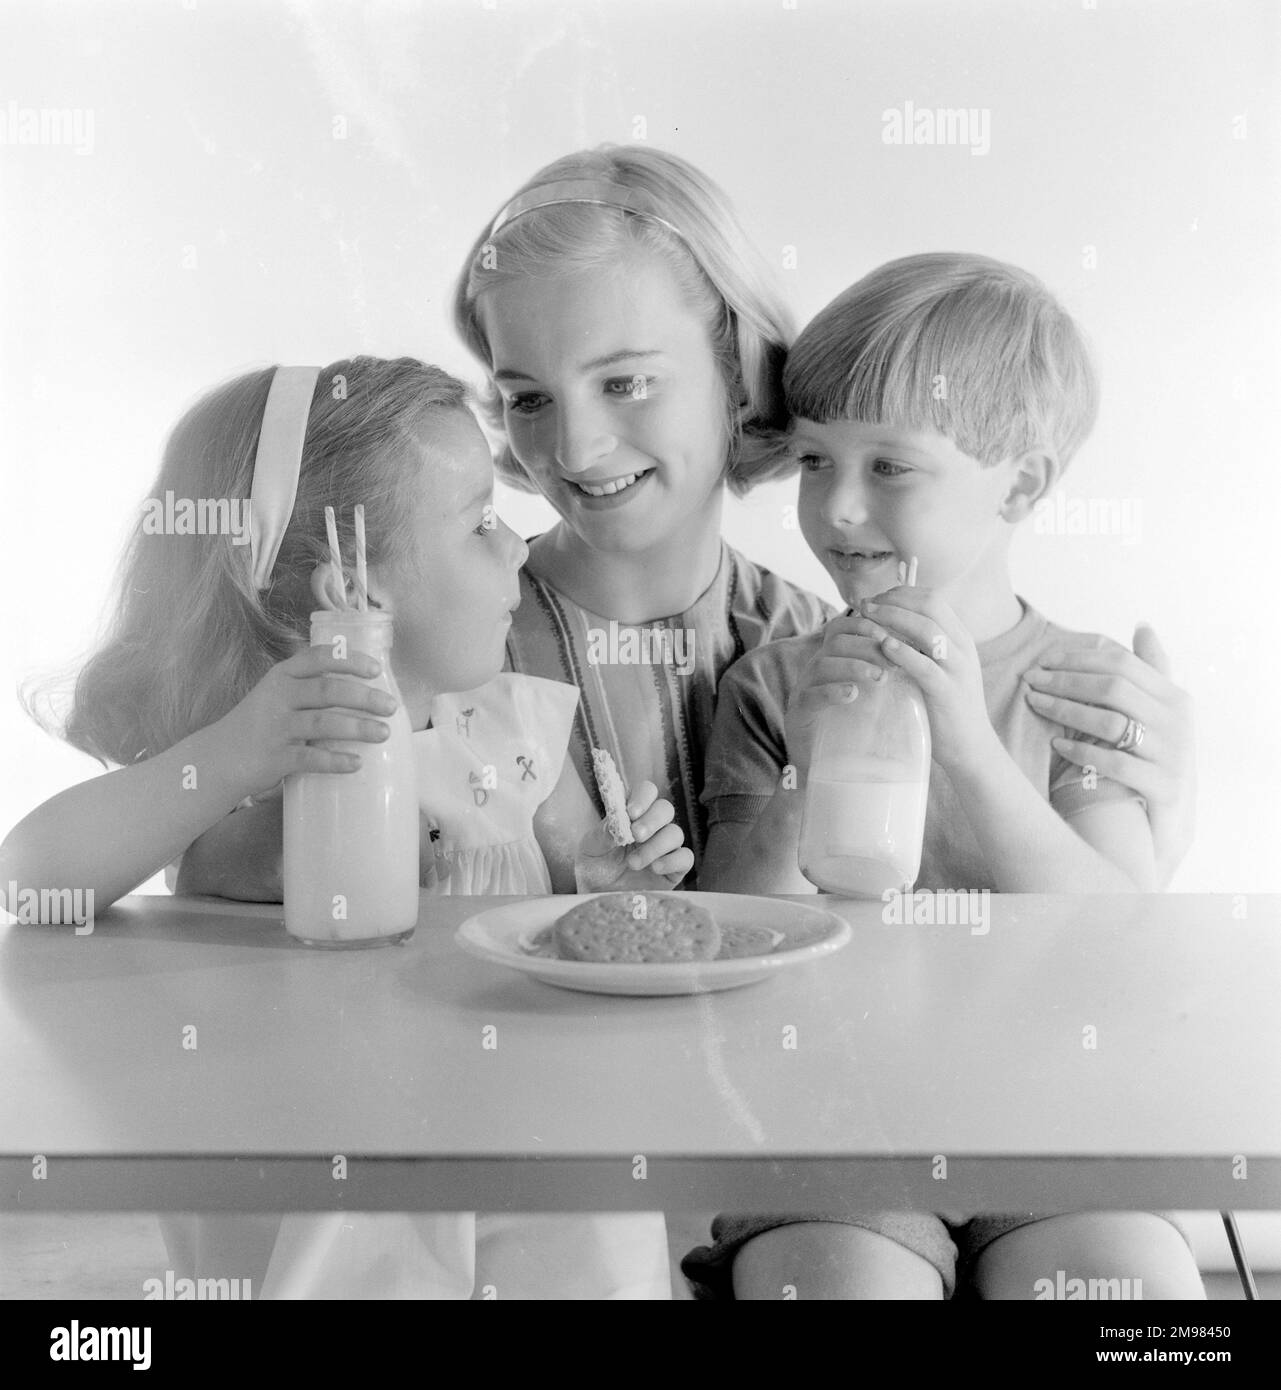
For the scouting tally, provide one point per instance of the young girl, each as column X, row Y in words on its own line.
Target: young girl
column 208, row 671
column 208, row 665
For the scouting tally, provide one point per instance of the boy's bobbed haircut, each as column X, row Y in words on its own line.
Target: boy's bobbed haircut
column 719, row 274
column 975, row 349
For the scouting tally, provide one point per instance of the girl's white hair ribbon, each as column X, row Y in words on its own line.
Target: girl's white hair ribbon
column 276, row 465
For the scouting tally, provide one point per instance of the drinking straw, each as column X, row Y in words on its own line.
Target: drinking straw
column 362, row 573
column 902, row 572
column 335, row 556
column 911, row 573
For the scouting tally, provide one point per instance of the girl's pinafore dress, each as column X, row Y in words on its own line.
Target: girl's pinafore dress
column 489, row 760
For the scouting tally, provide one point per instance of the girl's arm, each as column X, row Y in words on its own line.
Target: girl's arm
column 240, row 857
column 111, row 833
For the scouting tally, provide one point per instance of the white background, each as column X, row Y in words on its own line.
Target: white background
column 1116, row 127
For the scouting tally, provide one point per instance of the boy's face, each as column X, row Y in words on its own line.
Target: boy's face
column 874, row 495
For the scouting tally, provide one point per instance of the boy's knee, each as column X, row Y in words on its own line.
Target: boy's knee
column 830, row 1260
column 1091, row 1255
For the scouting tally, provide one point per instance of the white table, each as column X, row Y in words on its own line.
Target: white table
column 913, row 1044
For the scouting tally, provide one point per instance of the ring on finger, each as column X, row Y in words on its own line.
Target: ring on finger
column 1131, row 738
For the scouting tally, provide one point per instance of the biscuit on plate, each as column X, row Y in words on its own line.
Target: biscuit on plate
column 741, row 939
column 615, row 929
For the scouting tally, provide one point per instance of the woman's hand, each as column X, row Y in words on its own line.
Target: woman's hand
column 658, row 860
column 1096, row 689
column 271, row 733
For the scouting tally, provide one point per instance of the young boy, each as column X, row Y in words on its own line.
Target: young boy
column 934, row 404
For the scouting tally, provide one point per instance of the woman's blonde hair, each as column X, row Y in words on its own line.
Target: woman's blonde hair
column 191, row 635
column 719, row 273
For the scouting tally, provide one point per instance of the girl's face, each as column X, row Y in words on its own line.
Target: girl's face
column 613, row 400
column 452, row 601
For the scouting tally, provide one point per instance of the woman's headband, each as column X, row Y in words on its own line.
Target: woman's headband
column 276, row 465
column 601, row 192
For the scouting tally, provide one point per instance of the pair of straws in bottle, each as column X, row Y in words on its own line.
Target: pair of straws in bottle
column 337, row 586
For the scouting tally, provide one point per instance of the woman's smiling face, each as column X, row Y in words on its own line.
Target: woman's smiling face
column 613, row 399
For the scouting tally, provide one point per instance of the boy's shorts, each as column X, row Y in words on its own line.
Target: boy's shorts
column 950, row 1243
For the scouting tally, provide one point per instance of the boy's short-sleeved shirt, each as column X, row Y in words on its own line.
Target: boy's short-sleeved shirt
column 747, row 754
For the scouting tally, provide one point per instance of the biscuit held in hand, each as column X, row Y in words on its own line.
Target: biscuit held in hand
column 614, row 795
column 657, row 857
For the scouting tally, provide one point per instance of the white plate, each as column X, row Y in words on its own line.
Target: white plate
column 802, row 933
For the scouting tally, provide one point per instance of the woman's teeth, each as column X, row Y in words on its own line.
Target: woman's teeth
column 614, row 485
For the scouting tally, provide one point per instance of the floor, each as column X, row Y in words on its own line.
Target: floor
column 110, row 1257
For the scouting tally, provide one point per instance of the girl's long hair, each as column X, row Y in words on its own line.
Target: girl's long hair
column 190, row 635
column 719, row 273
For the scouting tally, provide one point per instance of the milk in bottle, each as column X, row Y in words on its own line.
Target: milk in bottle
column 865, row 799
column 351, row 838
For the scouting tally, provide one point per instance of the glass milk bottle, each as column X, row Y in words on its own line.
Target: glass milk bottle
column 864, row 815
column 351, row 838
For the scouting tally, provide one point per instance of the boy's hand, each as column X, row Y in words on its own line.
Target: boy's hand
column 918, row 632
column 847, row 659
column 658, row 860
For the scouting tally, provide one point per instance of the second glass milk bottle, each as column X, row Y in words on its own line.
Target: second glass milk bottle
column 864, row 817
